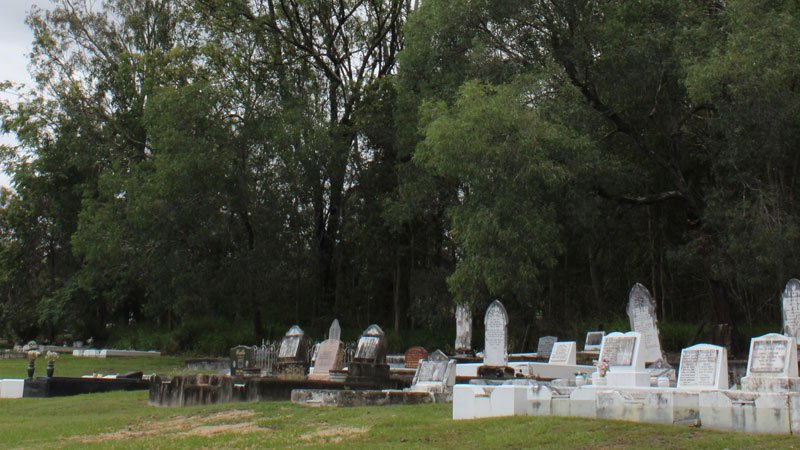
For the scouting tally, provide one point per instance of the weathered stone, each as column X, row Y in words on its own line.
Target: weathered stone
column 335, row 331
column 594, row 340
column 495, row 352
column 463, row 330
column 545, row 346
column 790, row 306
column 564, row 353
column 413, row 356
column 703, row 366
column 642, row 315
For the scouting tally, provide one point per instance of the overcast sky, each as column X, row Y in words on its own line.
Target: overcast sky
column 15, row 45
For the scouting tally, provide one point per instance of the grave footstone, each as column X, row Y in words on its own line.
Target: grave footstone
column 545, row 346
column 790, row 306
column 369, row 363
column 463, row 331
column 642, row 315
column 772, row 365
column 703, row 367
column 594, row 340
column 293, row 358
column 563, row 354
column 413, row 356
column 495, row 353
column 435, row 374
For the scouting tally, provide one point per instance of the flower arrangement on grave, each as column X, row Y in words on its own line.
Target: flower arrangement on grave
column 32, row 355
column 51, row 359
column 602, row 368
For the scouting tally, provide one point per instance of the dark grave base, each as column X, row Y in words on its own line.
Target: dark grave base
column 64, row 386
column 192, row 390
column 340, row 398
column 495, row 373
column 367, row 372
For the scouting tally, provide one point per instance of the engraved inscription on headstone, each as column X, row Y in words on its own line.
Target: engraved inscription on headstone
column 563, row 353
column 329, row 357
column 367, row 347
column 545, row 346
column 769, row 356
column 290, row 345
column 642, row 314
column 335, row 331
column 496, row 322
column 698, row 367
column 463, row 329
column 618, row 350
column 790, row 303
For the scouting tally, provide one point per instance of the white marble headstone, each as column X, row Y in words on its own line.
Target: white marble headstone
column 642, row 315
column 563, row 354
column 790, row 305
column 772, row 355
column 594, row 340
column 622, row 350
column 703, row 366
column 335, row 331
column 463, row 328
column 496, row 336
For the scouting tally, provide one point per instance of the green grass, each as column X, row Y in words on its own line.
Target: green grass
column 124, row 420
column 70, row 366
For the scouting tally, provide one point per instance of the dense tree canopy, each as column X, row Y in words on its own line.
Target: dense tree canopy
column 247, row 164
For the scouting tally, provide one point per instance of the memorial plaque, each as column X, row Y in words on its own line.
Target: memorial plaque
column 545, row 346
column 242, row 357
column 413, row 357
column 790, row 305
column 463, row 329
column 335, row 331
column 563, row 353
column 698, row 367
column 329, row 357
column 496, row 336
column 618, row 350
column 769, row 356
column 642, row 315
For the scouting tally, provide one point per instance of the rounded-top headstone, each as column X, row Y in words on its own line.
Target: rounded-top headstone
column 496, row 335
column 790, row 306
column 642, row 314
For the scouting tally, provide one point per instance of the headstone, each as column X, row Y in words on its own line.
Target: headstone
column 242, row 358
column 594, row 340
column 545, row 346
column 335, row 331
column 435, row 374
column 293, row 358
column 463, row 330
column 329, row 357
column 495, row 353
column 772, row 365
column 369, row 363
column 702, row 367
column 624, row 356
column 413, row 356
column 563, row 353
column 642, row 315
column 790, row 305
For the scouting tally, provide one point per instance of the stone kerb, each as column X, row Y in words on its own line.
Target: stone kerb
column 703, row 367
column 772, row 365
column 564, row 353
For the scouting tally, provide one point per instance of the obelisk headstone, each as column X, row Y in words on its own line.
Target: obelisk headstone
column 790, row 305
column 642, row 314
column 335, row 331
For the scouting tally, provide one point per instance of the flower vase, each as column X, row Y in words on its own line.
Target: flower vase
column 50, row 369
column 31, row 369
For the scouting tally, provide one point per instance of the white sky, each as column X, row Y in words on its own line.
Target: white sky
column 15, row 45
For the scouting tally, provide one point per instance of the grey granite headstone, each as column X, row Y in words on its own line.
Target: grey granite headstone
column 242, row 358
column 642, row 315
column 335, row 331
column 545, row 347
column 790, row 305
column 496, row 336
column 463, row 329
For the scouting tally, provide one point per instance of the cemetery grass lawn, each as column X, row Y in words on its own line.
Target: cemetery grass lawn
column 124, row 420
column 70, row 366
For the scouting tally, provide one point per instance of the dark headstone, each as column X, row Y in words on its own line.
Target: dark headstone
column 293, row 355
column 369, row 362
column 242, row 358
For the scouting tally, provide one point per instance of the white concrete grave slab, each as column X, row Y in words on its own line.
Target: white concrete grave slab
column 495, row 352
column 12, row 388
column 625, row 358
column 703, row 367
column 642, row 314
column 772, row 365
column 564, row 353
column 594, row 340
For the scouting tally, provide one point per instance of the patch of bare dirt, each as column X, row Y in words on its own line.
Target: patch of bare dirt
column 334, row 434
